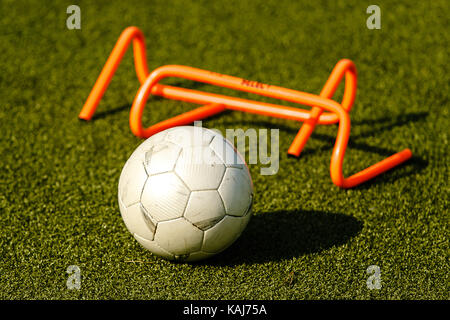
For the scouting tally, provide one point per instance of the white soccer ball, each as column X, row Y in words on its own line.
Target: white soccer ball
column 185, row 193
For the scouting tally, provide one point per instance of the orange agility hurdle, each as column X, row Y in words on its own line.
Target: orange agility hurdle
column 216, row 103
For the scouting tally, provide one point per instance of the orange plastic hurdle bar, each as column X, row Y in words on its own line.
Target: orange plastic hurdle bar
column 216, row 103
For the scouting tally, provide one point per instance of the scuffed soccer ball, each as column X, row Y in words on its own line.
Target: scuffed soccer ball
column 185, row 193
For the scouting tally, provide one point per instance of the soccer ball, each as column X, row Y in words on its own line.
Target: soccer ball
column 185, row 193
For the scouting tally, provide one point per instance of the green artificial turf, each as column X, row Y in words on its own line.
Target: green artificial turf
column 307, row 239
